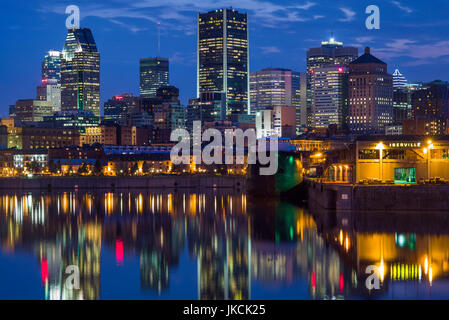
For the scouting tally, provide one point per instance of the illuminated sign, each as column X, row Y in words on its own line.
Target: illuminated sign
column 405, row 144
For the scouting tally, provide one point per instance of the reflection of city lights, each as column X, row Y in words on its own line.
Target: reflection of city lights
column 44, row 271
column 430, row 274
column 381, row 271
column 426, row 265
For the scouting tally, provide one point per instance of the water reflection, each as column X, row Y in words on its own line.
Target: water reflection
column 213, row 245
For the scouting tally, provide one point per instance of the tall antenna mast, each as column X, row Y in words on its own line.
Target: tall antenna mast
column 158, row 39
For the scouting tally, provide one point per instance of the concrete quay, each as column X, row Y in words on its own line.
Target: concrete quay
column 380, row 198
column 111, row 183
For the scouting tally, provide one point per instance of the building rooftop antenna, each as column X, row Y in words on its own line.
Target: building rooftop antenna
column 158, row 39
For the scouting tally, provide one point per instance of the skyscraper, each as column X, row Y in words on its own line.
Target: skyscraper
column 431, row 106
column 80, row 72
column 223, row 61
column 330, row 53
column 271, row 88
column 370, row 95
column 51, row 66
column 399, row 80
column 330, row 96
column 154, row 73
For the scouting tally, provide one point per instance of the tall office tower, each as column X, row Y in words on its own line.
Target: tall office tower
column 50, row 90
column 370, row 95
column 116, row 109
column 330, row 96
column 330, row 53
column 51, row 66
column 401, row 104
column 154, row 73
column 399, row 80
column 271, row 88
column 431, row 107
column 223, row 61
column 80, row 72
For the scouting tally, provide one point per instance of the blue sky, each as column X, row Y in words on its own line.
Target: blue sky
column 414, row 37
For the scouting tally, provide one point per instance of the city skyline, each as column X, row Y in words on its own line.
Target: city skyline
column 265, row 50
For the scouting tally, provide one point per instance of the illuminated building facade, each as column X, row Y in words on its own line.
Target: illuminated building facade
column 274, row 88
column 330, row 96
column 50, row 90
column 32, row 111
column 154, row 73
column 399, row 80
column 223, row 61
column 80, row 72
column 330, row 53
column 430, row 105
column 51, row 66
column 116, row 109
column 370, row 95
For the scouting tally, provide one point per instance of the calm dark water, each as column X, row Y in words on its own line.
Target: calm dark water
column 212, row 245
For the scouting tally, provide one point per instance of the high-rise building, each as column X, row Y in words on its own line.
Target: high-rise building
column 80, row 72
column 330, row 53
column 51, row 66
column 116, row 109
column 154, row 73
column 399, row 80
column 271, row 88
column 223, row 61
column 330, row 96
column 370, row 95
column 31, row 111
column 431, row 107
column 50, row 90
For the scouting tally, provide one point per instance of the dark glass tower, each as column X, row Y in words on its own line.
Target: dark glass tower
column 154, row 73
column 80, row 72
column 223, row 60
column 51, row 66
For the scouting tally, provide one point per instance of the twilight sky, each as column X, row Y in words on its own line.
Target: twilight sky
column 414, row 37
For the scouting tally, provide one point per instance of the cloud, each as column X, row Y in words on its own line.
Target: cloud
column 402, row 7
column 269, row 50
column 422, row 53
column 349, row 15
column 176, row 14
column 132, row 28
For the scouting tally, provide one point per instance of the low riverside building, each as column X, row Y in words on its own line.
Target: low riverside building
column 390, row 160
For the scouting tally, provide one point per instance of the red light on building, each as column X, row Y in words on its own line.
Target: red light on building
column 118, row 98
column 340, row 70
column 44, row 80
column 44, row 271
column 312, row 71
column 119, row 251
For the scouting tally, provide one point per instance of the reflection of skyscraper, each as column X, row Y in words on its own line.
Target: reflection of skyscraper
column 80, row 72
column 223, row 61
column 154, row 73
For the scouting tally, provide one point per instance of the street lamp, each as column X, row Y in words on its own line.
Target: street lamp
column 430, row 146
column 380, row 146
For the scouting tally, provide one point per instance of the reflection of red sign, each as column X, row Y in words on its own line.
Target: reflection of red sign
column 44, row 271
column 342, row 282
column 119, row 251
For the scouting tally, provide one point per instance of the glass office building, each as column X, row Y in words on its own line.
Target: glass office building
column 223, row 60
column 80, row 72
column 51, row 66
column 154, row 73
